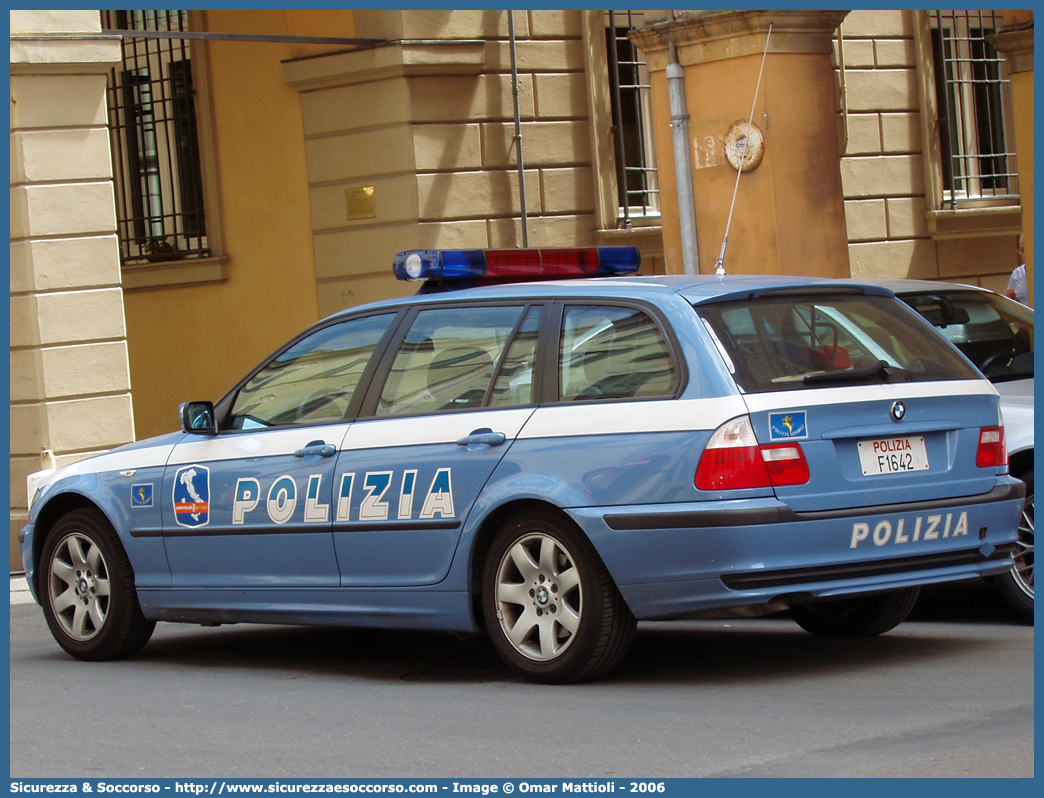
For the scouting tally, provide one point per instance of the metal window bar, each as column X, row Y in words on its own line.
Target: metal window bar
column 637, row 184
column 972, row 87
column 152, row 122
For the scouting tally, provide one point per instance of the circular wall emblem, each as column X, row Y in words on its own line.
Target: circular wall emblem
column 898, row 411
column 744, row 145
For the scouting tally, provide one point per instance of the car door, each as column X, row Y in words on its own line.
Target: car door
column 457, row 388
column 250, row 506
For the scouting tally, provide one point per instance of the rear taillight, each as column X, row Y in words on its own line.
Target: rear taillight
column 733, row 459
column 786, row 464
column 992, row 450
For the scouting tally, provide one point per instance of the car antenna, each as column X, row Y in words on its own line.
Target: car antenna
column 719, row 266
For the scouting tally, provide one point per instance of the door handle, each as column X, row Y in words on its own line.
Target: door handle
column 482, row 439
column 317, row 449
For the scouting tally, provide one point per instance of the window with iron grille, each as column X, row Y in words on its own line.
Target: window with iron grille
column 976, row 136
column 637, row 187
column 156, row 160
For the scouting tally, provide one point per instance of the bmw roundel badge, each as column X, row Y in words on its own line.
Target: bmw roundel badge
column 898, row 411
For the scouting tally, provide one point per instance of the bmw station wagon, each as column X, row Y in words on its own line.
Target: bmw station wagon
column 548, row 462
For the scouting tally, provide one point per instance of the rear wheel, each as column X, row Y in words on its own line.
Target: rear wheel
column 864, row 616
column 87, row 589
column 551, row 608
column 1017, row 585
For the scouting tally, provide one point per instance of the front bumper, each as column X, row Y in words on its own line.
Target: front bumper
column 25, row 541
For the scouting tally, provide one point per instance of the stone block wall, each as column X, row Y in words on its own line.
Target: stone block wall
column 893, row 228
column 70, row 380
column 882, row 170
column 426, row 126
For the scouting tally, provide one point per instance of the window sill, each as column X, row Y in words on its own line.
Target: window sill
column 175, row 273
column 644, row 237
column 974, row 222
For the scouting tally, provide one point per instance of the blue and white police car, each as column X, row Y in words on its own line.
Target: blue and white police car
column 548, row 462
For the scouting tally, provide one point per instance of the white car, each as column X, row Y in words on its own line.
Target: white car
column 996, row 334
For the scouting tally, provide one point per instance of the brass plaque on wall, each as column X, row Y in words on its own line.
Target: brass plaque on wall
column 361, row 202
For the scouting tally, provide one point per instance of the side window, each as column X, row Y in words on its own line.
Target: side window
column 447, row 360
column 995, row 334
column 312, row 382
column 613, row 353
column 514, row 384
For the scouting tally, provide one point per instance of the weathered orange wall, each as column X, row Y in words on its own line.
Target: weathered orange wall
column 789, row 212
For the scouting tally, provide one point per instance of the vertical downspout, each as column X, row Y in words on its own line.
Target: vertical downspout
column 518, row 131
column 844, row 89
column 614, row 98
column 682, row 162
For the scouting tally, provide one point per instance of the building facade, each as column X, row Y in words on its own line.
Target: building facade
column 918, row 203
column 190, row 189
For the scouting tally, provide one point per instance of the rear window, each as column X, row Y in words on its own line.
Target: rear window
column 788, row 342
column 994, row 333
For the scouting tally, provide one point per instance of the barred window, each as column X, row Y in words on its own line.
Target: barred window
column 974, row 100
column 637, row 187
column 156, row 159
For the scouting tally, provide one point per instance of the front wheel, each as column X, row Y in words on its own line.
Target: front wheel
column 551, row 608
column 863, row 616
column 1016, row 586
column 87, row 589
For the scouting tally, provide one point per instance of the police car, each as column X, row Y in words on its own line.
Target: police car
column 548, row 462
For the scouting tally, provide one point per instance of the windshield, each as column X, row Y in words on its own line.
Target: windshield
column 781, row 342
column 995, row 333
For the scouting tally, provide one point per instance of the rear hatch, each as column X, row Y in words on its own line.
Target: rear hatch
column 881, row 407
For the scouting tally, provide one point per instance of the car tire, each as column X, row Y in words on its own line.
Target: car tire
column 1016, row 586
column 864, row 616
column 87, row 589
column 553, row 612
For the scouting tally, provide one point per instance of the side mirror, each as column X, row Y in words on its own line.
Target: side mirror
column 198, row 418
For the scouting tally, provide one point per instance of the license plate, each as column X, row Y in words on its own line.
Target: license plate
column 893, row 456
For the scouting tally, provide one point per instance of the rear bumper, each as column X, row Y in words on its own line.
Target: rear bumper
column 675, row 559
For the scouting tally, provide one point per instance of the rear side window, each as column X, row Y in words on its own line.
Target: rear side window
column 779, row 343
column 612, row 352
column 448, row 359
column 514, row 384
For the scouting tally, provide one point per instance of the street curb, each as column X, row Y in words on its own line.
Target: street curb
column 20, row 591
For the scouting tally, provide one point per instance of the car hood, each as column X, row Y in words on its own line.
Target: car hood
column 1016, row 404
column 1016, row 392
column 150, row 451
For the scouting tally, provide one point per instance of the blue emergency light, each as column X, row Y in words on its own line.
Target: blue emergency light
column 515, row 264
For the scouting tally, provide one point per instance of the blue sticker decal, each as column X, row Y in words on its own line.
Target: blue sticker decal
column 788, row 426
column 192, row 496
column 141, row 495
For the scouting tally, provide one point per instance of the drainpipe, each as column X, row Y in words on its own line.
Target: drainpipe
column 682, row 163
column 518, row 131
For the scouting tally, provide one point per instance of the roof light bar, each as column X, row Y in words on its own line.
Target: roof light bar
column 520, row 264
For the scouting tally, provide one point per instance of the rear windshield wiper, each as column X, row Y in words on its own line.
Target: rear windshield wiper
column 874, row 369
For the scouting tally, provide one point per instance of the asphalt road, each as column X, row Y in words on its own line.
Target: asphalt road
column 948, row 693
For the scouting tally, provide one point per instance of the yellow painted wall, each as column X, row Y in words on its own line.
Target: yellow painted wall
column 190, row 343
